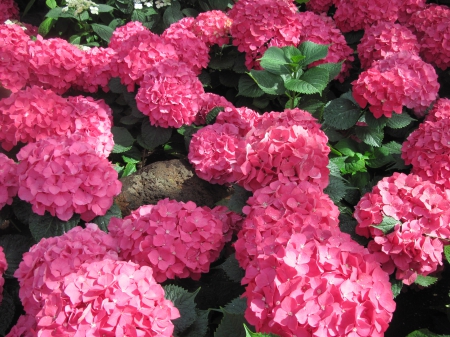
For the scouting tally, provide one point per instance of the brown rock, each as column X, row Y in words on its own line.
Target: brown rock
column 174, row 179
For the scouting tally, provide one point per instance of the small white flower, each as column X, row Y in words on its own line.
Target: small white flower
column 149, row 4
column 94, row 10
column 137, row 6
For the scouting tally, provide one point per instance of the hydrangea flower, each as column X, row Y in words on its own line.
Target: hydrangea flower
column 440, row 110
column 25, row 327
column 3, row 267
column 44, row 267
column 9, row 10
column 54, row 63
column 400, row 79
column 243, row 118
column 212, row 27
column 176, row 239
column 383, row 38
column 9, row 181
column 209, row 101
column 407, row 8
column 14, row 59
column 170, row 94
column 108, row 297
column 422, row 210
column 319, row 6
column 65, row 176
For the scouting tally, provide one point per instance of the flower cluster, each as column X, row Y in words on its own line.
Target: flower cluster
column 14, row 64
column 243, row 118
column 440, row 110
column 3, row 267
column 170, row 94
column 422, row 210
column 176, row 239
column 79, row 6
column 9, row 182
column 95, row 69
column 212, row 27
column 8, row 10
column 65, row 176
column 25, row 327
column 400, row 79
column 47, row 263
column 319, row 6
column 108, row 297
column 383, row 38
column 407, row 8
column 209, row 101
column 432, row 27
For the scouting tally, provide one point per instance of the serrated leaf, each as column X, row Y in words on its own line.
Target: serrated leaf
column 381, row 157
column 249, row 333
column 7, row 312
column 172, row 14
column 200, row 325
column 237, row 306
column 46, row 226
column 396, row 286
column 46, row 26
column 300, row 86
column 138, row 15
column 248, row 87
column 373, row 122
column 333, row 69
column 370, row 136
column 116, row 86
column 103, row 221
column 425, row 281
column 222, row 61
column 347, row 147
column 231, row 267
column 341, row 113
column 275, row 61
column 237, row 200
column 398, row 121
column 184, row 302
column 446, row 252
column 154, row 136
column 231, row 325
column 313, row 106
column 332, row 134
column 317, row 77
column 104, row 8
column 387, row 225
column 211, row 116
column 354, row 164
column 128, row 170
column 425, row 333
column 219, row 4
column 393, row 147
column 14, row 245
column 312, row 52
column 347, row 224
column 290, row 52
column 123, row 140
column 103, row 31
column 336, row 188
column 269, row 83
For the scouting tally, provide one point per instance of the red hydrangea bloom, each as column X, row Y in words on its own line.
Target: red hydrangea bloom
column 321, row 29
column 176, row 239
column 47, row 263
column 54, row 63
column 277, row 211
column 25, row 327
column 209, row 101
column 383, row 38
column 320, row 284
column 9, row 181
column 212, row 27
column 356, row 15
column 125, row 37
column 319, row 6
column 407, row 8
column 96, row 69
column 244, row 118
column 232, row 221
column 9, row 10
column 283, row 146
column 428, row 150
column 432, row 27
column 65, row 176
column 212, row 152
column 190, row 48
column 400, row 79
column 440, row 110
column 14, row 60
column 170, row 94
column 34, row 113
column 3, row 267
column 108, row 297
column 422, row 210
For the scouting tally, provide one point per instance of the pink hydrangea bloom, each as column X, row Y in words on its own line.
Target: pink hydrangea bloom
column 212, row 152
column 422, row 210
column 356, row 15
column 54, row 63
column 209, row 101
column 35, row 113
column 212, row 27
column 65, row 176
column 232, row 221
column 319, row 6
column 428, row 150
column 288, row 145
column 108, row 297
column 440, row 110
column 9, row 181
column 400, row 79
column 170, row 94
column 125, row 37
column 243, row 118
column 176, row 239
column 9, row 10
column 432, row 27
column 321, row 29
column 190, row 48
column 25, row 327
column 48, row 262
column 383, row 38
column 14, row 60
column 320, row 284
column 408, row 8
column 3, row 267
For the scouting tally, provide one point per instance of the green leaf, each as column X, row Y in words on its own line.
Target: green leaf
column 46, row 26
column 313, row 106
column 211, row 116
column 248, row 87
column 232, row 269
column 354, row 164
column 129, row 160
column 116, row 86
column 75, row 39
column 290, row 52
column 237, row 200
column 249, row 333
column 269, row 83
column 370, row 136
column 54, row 13
column 396, row 286
column 190, row 12
column 275, row 61
column 347, row 224
column 393, row 147
column 336, row 188
column 312, row 52
column 200, row 325
column 425, row 333
column 46, row 226
column 138, row 15
column 347, row 147
column 51, row 3
column 153, row 136
column 381, row 157
column 446, row 252
column 104, row 8
column 184, row 302
column 387, row 225
column 398, row 121
column 341, row 114
column 103, row 221
column 222, row 61
column 7, row 312
column 172, row 14
column 28, row 7
column 300, row 86
column 375, row 122
column 84, row 16
column 14, row 246
column 332, row 134
column 129, row 170
column 103, row 31
column 317, row 77
column 123, row 140
column 231, row 325
column 219, row 4
column 333, row 69
column 425, row 281
column 236, row 306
